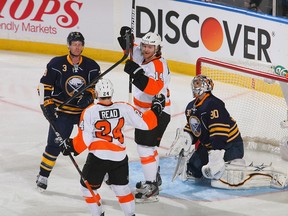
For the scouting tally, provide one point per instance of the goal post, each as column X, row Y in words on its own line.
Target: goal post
column 256, row 99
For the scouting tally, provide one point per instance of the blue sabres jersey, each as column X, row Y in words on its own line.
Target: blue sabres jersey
column 209, row 122
column 65, row 79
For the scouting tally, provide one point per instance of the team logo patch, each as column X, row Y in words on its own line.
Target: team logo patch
column 74, row 84
column 195, row 126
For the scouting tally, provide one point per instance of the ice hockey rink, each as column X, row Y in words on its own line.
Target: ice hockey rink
column 23, row 133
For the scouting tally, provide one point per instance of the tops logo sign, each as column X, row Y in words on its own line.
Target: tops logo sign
column 252, row 42
column 22, row 10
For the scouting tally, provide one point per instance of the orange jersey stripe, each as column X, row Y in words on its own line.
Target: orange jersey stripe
column 154, row 86
column 78, row 142
column 104, row 145
column 155, row 153
column 145, row 104
column 125, row 199
column 147, row 160
column 150, row 119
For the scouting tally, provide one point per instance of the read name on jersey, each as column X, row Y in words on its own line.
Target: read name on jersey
column 109, row 114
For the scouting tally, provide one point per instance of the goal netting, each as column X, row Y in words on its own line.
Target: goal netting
column 256, row 98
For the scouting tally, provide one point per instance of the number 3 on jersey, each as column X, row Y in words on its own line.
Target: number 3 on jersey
column 107, row 133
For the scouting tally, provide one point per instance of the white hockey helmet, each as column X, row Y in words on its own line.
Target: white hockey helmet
column 152, row 39
column 201, row 84
column 104, row 88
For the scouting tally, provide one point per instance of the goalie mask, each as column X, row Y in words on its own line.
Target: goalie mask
column 201, row 84
column 75, row 36
column 152, row 39
column 104, row 88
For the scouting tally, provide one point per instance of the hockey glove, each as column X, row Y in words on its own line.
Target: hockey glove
column 133, row 69
column 67, row 147
column 122, row 39
column 86, row 99
column 158, row 104
column 49, row 110
column 215, row 167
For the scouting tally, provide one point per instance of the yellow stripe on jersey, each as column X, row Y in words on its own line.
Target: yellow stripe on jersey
column 218, row 129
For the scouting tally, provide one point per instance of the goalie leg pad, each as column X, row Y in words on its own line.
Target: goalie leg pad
column 237, row 176
column 284, row 148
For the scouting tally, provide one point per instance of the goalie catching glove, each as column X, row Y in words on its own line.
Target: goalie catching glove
column 67, row 147
column 182, row 140
column 158, row 104
column 215, row 167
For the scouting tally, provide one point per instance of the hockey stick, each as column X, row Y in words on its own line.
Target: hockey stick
column 131, row 48
column 94, row 81
column 60, row 139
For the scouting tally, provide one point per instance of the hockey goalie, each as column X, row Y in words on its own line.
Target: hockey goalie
column 210, row 145
column 233, row 174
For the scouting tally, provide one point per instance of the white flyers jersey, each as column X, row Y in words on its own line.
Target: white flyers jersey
column 101, row 129
column 159, row 79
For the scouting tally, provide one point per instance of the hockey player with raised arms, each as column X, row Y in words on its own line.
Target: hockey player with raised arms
column 64, row 76
column 150, row 76
column 101, row 132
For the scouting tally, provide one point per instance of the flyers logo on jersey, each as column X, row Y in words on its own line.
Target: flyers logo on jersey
column 195, row 126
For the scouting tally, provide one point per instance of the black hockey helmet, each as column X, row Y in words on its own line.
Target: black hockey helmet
column 75, row 36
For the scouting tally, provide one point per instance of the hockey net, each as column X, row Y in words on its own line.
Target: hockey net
column 256, row 98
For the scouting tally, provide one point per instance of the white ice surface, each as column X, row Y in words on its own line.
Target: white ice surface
column 23, row 133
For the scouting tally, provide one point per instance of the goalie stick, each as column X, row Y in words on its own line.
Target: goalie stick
column 180, row 168
column 60, row 139
column 94, row 81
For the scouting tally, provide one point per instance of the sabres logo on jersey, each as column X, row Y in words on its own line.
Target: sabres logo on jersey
column 195, row 125
column 74, row 84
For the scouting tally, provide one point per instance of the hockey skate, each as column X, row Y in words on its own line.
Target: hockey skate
column 139, row 185
column 41, row 183
column 146, row 192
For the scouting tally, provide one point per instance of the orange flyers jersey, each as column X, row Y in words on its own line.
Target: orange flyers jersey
column 101, row 129
column 159, row 78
